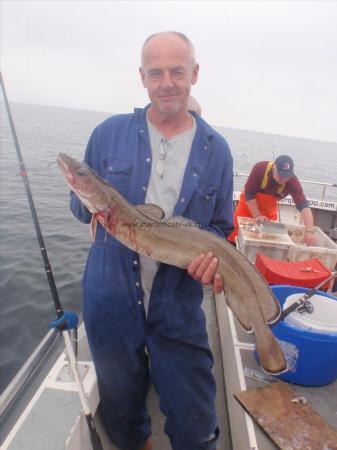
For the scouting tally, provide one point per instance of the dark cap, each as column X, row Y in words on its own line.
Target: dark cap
column 284, row 166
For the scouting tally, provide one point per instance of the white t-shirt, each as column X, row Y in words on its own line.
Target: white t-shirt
column 169, row 159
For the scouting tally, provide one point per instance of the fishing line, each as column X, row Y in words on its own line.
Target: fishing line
column 94, row 437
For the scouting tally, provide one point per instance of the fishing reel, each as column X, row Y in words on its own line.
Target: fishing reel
column 304, row 306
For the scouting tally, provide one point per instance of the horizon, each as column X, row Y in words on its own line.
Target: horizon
column 215, row 126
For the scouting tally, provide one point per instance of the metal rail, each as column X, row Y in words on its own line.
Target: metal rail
column 25, row 373
column 317, row 183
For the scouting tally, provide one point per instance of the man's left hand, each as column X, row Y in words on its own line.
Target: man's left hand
column 204, row 269
column 310, row 239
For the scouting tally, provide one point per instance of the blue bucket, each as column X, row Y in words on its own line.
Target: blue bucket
column 309, row 344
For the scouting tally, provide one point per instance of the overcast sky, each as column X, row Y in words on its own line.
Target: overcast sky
column 264, row 65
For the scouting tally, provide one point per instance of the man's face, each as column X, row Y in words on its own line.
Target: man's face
column 167, row 72
column 278, row 178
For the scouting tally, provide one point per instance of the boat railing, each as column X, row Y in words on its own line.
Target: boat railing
column 17, row 384
column 310, row 182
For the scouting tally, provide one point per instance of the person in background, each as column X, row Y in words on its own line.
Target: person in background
column 143, row 319
column 193, row 105
column 268, row 182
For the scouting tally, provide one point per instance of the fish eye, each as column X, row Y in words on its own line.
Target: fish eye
column 81, row 171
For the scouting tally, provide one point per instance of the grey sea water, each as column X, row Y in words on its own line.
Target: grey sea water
column 25, row 301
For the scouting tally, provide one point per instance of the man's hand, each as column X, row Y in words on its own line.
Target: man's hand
column 204, row 269
column 261, row 218
column 310, row 238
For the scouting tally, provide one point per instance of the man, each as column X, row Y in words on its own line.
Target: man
column 267, row 183
column 134, row 309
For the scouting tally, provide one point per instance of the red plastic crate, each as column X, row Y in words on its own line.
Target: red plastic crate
column 307, row 273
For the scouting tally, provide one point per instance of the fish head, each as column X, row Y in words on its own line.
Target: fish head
column 86, row 184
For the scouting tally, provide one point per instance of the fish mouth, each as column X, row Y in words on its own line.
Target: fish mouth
column 61, row 162
column 64, row 167
column 77, row 183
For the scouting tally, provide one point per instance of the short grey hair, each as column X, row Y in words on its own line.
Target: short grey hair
column 182, row 36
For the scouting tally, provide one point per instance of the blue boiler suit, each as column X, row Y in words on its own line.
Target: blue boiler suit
column 174, row 330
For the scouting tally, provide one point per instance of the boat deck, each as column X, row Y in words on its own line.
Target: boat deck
column 53, row 420
column 242, row 372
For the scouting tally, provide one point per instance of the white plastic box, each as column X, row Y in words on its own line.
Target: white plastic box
column 250, row 241
column 325, row 249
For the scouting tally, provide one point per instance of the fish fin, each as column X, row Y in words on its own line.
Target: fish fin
column 106, row 222
column 271, row 319
column 93, row 227
column 239, row 312
column 151, row 211
column 271, row 310
column 271, row 356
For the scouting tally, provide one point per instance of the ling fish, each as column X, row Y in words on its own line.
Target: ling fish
column 177, row 241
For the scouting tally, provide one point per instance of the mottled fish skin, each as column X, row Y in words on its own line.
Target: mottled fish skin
column 177, row 241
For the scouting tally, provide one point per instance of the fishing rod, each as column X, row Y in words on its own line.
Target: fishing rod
column 303, row 305
column 94, row 437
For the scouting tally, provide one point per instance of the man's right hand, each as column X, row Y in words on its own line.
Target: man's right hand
column 261, row 218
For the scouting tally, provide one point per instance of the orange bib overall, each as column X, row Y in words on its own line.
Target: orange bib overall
column 266, row 203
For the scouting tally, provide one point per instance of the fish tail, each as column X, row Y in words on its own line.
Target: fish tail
column 271, row 356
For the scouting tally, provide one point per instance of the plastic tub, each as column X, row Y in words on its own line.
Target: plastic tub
column 323, row 318
column 325, row 250
column 307, row 273
column 309, row 343
column 250, row 241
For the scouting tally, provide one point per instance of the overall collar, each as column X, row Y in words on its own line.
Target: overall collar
column 197, row 161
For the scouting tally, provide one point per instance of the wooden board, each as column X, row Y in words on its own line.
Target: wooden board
column 289, row 423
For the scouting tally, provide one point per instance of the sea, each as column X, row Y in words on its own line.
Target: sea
column 26, row 304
